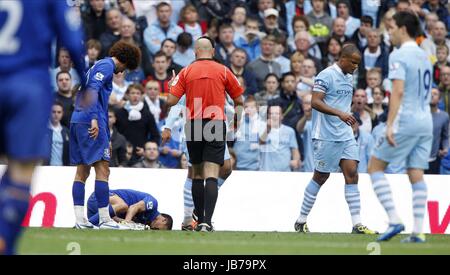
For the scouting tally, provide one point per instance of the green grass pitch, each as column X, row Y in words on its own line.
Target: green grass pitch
column 67, row 241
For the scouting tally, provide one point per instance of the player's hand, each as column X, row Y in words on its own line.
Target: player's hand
column 165, row 136
column 172, row 79
column 295, row 164
column 349, row 119
column 93, row 131
column 443, row 153
column 390, row 136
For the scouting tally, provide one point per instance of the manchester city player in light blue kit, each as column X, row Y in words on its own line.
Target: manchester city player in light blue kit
column 409, row 128
column 334, row 144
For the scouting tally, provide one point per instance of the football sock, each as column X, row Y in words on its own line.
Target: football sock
column 102, row 196
column 211, row 193
column 95, row 219
column 14, row 200
column 188, row 202
column 353, row 201
column 78, row 189
column 383, row 191
column 308, row 201
column 198, row 194
column 419, row 203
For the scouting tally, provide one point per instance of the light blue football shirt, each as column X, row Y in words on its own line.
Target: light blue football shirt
column 338, row 91
column 276, row 153
column 410, row 63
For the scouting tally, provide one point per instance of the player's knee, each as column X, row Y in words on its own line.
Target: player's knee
column 225, row 170
column 320, row 178
column 352, row 176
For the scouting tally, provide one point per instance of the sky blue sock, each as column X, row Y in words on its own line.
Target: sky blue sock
column 102, row 193
column 78, row 193
column 14, row 200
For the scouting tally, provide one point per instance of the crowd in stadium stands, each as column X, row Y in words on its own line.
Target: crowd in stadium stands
column 275, row 48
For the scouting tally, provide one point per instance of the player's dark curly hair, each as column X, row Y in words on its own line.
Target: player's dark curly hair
column 127, row 54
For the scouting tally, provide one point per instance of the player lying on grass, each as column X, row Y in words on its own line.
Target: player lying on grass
column 132, row 208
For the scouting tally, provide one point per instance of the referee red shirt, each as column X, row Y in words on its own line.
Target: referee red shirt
column 205, row 83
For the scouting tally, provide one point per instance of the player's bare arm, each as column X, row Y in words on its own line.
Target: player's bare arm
column 394, row 105
column 134, row 209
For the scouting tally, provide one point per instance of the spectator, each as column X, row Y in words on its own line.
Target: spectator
column 225, row 46
column 64, row 96
column 265, row 64
column 388, row 18
column 375, row 55
column 160, row 65
column 246, row 145
column 148, row 8
column 373, row 79
column 58, row 137
column 338, row 31
column 378, row 107
column 118, row 143
column 303, row 46
column 402, row 5
column 157, row 106
column 304, row 128
column 238, row 18
column 440, row 145
column 169, row 47
column 299, row 23
column 365, row 143
column 95, row 19
column 289, row 101
column 270, row 92
column 251, row 41
column 128, row 34
column 359, row 105
column 442, row 54
column 185, row 54
column 112, row 33
column 169, row 154
column 127, row 8
column 213, row 29
column 150, row 157
column 161, row 29
column 183, row 162
column 238, row 60
column 296, row 65
column 320, row 22
column 262, row 6
column 444, row 87
column 94, row 48
column 296, row 8
column 279, row 149
column 438, row 35
column 359, row 38
column 430, row 19
column 351, row 23
column 439, row 8
column 135, row 121
column 208, row 10
column 270, row 25
column 334, row 47
column 65, row 64
column 279, row 51
column 190, row 22
column 117, row 98
column 308, row 72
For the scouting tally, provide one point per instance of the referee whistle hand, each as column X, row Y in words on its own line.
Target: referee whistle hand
column 173, row 78
column 93, row 131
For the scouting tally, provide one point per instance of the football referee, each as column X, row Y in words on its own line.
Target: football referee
column 205, row 83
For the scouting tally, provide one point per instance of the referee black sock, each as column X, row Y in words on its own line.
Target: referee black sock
column 210, row 198
column 198, row 195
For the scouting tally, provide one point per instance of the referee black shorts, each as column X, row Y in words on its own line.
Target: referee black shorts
column 205, row 140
